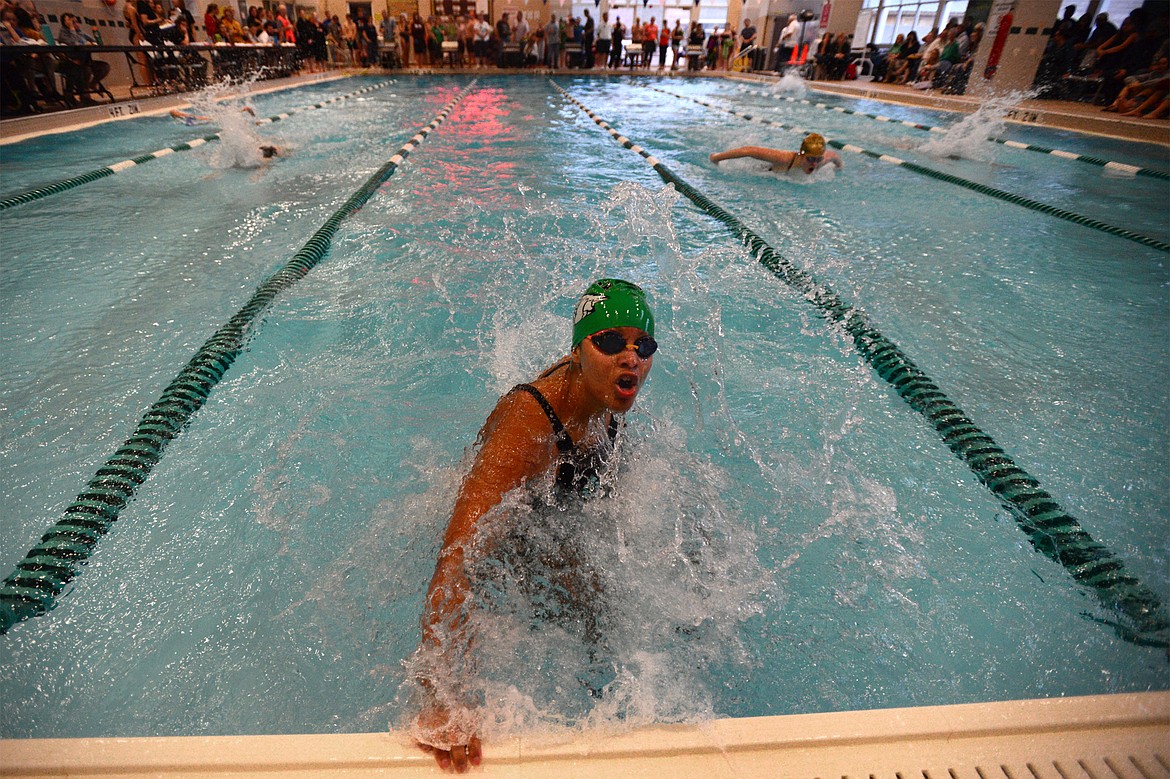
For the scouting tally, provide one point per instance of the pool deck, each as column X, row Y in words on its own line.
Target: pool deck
column 1125, row 736
column 1063, row 115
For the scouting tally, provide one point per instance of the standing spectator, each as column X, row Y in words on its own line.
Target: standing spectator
column 604, row 40
column 134, row 31
column 615, row 48
column 520, row 33
column 552, row 42
column 677, row 35
column 149, row 23
column 663, row 44
column 747, row 40
column 368, row 41
column 587, row 32
column 483, row 41
column 713, row 49
column 695, row 39
column 418, row 38
column 788, row 40
column 349, row 40
column 649, row 42
column 287, row 32
column 636, row 37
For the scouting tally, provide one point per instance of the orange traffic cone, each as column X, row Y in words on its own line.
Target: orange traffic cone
column 795, row 54
column 803, row 55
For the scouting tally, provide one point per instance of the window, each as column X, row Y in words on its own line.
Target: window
column 881, row 21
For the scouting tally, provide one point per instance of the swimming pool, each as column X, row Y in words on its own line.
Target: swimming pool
column 796, row 539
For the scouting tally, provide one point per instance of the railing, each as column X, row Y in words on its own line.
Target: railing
column 154, row 70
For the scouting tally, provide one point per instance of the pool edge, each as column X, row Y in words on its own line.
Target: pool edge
column 1122, row 734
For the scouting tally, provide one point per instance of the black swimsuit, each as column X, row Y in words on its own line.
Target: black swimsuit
column 577, row 468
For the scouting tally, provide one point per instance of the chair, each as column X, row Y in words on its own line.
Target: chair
column 451, row 52
column 82, row 77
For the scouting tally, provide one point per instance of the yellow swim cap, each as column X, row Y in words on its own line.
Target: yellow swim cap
column 813, row 145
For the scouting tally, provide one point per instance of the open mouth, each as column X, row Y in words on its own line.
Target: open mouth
column 627, row 385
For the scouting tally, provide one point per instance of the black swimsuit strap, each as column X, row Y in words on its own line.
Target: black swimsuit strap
column 564, row 440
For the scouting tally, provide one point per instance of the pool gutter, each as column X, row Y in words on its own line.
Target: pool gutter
column 1094, row 737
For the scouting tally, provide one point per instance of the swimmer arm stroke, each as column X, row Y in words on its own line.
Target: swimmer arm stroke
column 781, row 159
column 514, row 448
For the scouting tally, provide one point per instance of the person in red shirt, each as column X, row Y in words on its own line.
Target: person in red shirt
column 649, row 41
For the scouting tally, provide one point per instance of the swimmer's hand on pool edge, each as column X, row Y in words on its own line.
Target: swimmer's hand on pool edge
column 459, row 757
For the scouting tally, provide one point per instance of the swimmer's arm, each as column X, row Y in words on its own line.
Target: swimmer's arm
column 834, row 158
column 778, row 158
column 514, row 448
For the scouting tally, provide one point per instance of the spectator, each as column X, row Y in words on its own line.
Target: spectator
column 677, row 36
column 747, row 39
column 604, row 40
column 615, row 49
column 787, row 41
column 179, row 11
column 552, row 42
column 367, row 41
column 588, row 28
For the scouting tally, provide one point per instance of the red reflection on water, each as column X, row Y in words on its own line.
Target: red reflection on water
column 469, row 158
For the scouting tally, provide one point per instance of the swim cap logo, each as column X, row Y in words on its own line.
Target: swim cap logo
column 586, row 305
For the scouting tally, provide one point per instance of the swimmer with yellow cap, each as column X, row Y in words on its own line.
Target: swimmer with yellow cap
column 561, row 427
column 811, row 156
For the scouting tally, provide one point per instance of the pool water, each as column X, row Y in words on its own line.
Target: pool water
column 787, row 536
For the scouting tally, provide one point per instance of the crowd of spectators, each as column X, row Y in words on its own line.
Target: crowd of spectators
column 1123, row 69
column 565, row 41
column 941, row 60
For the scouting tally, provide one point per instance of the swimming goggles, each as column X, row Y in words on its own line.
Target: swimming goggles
column 612, row 342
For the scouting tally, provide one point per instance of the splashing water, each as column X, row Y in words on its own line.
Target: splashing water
column 791, row 84
column 611, row 612
column 968, row 138
column 239, row 144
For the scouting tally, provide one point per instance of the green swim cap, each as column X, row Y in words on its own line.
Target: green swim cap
column 611, row 303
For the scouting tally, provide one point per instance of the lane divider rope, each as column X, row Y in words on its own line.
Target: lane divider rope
column 125, row 165
column 1049, row 528
column 974, row 186
column 1120, row 167
column 33, row 588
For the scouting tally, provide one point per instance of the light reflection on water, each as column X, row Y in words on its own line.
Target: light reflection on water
column 269, row 577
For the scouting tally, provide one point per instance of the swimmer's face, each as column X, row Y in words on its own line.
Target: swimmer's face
column 614, row 379
column 810, row 162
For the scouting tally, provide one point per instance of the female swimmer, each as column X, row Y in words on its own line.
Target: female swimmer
column 811, row 156
column 563, row 425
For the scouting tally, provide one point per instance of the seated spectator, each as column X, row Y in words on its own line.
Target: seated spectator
column 81, row 72
column 17, row 70
column 1137, row 58
column 1144, row 91
column 890, row 61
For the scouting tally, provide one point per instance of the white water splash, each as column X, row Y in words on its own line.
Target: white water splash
column 791, row 85
column 968, row 139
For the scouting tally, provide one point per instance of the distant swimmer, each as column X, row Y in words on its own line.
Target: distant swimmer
column 191, row 119
column 812, row 155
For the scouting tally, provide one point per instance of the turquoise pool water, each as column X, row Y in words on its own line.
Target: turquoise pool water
column 792, row 537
